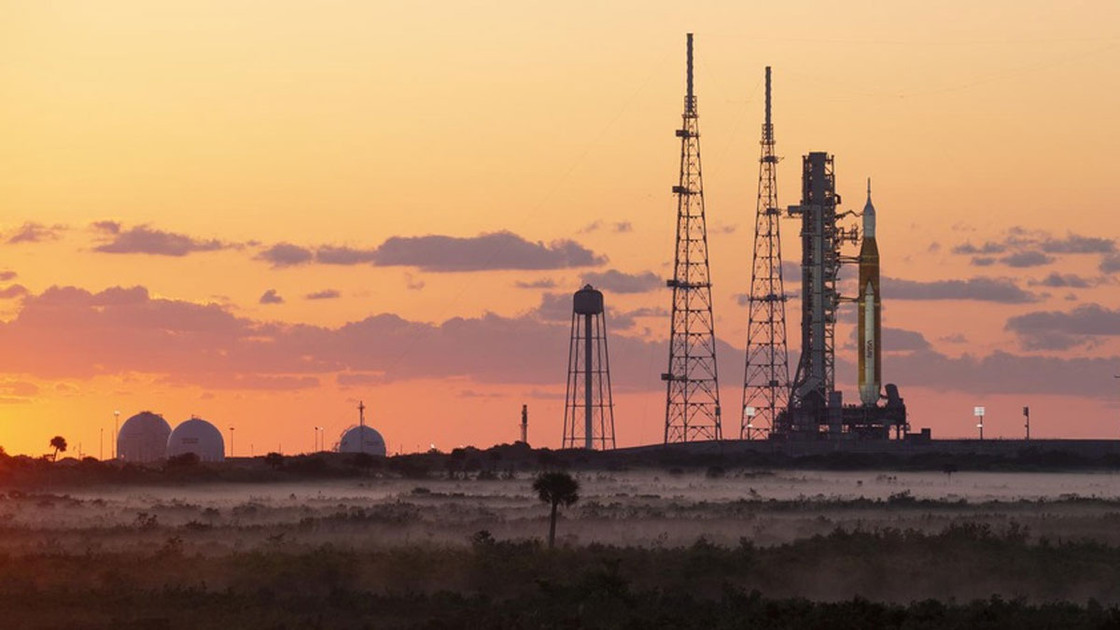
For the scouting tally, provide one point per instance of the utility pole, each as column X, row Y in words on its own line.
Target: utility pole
column 116, row 434
column 766, row 378
column 1027, row 415
column 692, row 410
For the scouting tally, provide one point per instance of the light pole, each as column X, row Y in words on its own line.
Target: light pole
column 231, row 442
column 316, row 449
column 979, row 413
column 116, row 434
column 750, row 412
column 101, row 445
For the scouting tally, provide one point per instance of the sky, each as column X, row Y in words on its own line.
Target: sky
column 260, row 213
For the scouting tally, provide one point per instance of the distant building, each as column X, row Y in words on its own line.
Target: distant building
column 143, row 438
column 199, row 437
column 362, row 439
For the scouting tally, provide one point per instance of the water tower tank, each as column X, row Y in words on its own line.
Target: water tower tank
column 588, row 301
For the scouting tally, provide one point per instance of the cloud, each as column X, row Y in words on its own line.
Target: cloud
column 325, row 294
column 1028, row 258
column 32, row 232
column 13, row 291
column 351, row 379
column 271, row 297
column 1029, row 248
column 286, row 255
column 986, row 248
column 616, row 281
column 1110, row 263
column 18, row 388
column 544, row 283
column 1001, row 290
column 901, row 340
column 335, row 255
column 1057, row 330
column 66, row 333
column 111, row 227
column 1077, row 244
column 485, row 252
column 5, row 276
column 622, row 227
column 1062, row 280
column 413, row 284
column 145, row 240
column 1005, row 373
column 555, row 307
column 494, row 251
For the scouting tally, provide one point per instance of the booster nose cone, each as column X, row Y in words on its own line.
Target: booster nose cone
column 868, row 214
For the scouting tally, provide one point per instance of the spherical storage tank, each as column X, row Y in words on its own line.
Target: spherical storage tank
column 143, row 438
column 199, row 437
column 362, row 439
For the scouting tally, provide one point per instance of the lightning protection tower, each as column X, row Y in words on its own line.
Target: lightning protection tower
column 588, row 406
column 692, row 409
column 766, row 379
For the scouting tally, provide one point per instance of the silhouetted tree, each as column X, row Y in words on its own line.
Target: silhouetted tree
column 274, row 460
column 58, row 443
column 556, row 489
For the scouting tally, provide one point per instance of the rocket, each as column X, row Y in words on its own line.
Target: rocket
column 870, row 304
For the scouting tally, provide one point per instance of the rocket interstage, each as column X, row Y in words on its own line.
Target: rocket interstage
column 870, row 310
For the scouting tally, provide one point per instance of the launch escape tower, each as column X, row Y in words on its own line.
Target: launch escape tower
column 588, row 406
column 692, row 410
column 766, row 379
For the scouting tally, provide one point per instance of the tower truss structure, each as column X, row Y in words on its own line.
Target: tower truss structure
column 692, row 409
column 766, row 379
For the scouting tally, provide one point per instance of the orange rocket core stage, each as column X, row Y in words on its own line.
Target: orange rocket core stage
column 870, row 306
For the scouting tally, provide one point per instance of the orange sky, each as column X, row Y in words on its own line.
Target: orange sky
column 218, row 130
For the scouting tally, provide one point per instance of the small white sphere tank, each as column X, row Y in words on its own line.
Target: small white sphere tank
column 143, row 438
column 362, row 439
column 199, row 437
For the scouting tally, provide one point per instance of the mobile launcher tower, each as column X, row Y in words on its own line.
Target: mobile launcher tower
column 816, row 409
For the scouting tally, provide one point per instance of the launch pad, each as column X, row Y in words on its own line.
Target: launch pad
column 816, row 408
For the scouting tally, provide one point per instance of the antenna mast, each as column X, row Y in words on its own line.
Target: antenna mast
column 692, row 410
column 766, row 379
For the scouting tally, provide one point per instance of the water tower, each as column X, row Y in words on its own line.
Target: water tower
column 588, row 406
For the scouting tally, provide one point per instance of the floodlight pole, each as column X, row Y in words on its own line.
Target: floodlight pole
column 116, row 434
column 231, row 442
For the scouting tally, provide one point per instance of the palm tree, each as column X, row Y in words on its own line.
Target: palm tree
column 556, row 489
column 58, row 443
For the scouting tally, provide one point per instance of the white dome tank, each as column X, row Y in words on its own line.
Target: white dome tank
column 199, row 437
column 143, row 438
column 362, row 439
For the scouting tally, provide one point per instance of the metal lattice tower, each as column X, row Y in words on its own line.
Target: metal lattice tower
column 588, row 405
column 692, row 410
column 766, row 379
